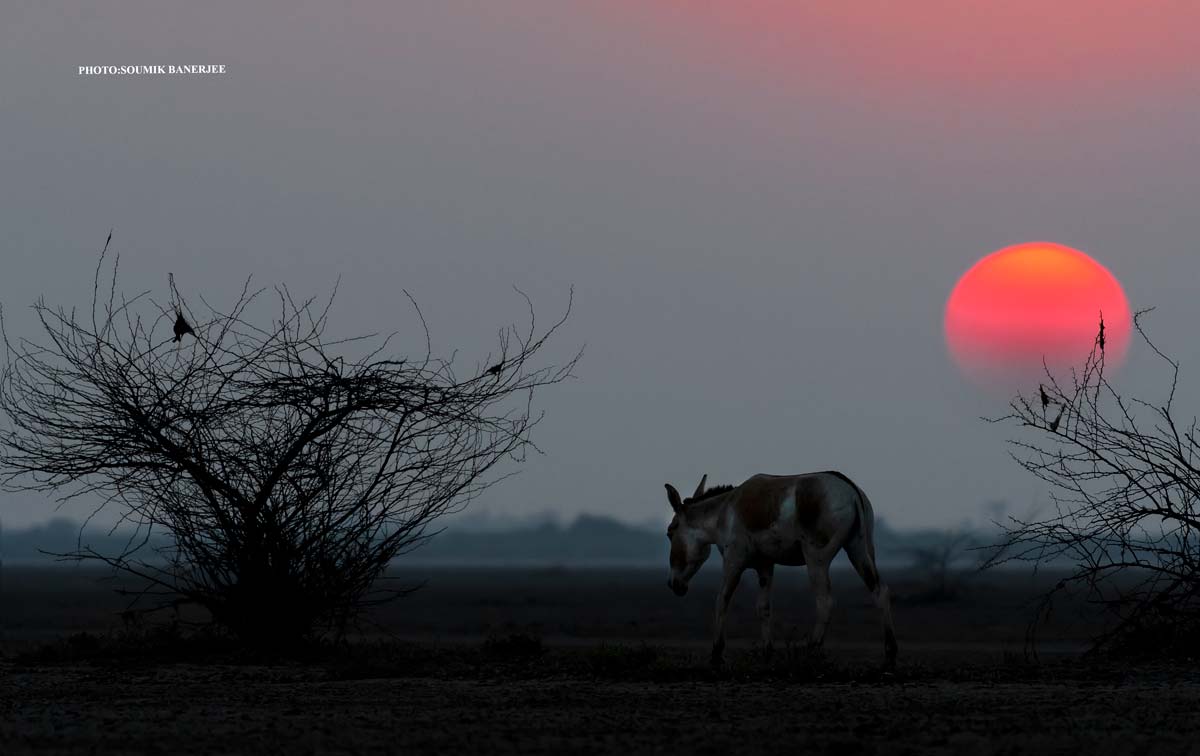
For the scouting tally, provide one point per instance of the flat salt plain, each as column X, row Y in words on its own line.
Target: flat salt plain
column 601, row 660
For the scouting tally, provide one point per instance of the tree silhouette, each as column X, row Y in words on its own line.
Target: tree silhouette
column 1125, row 484
column 934, row 561
column 287, row 468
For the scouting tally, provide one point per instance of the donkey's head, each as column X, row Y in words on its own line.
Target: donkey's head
column 689, row 546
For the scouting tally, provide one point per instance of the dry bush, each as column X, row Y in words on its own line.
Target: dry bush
column 935, row 561
column 1125, row 488
column 285, row 471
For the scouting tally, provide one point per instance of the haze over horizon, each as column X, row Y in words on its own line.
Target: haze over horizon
column 762, row 208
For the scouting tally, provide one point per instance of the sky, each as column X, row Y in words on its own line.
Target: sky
column 762, row 206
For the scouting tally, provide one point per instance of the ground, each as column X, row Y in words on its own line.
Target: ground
column 593, row 661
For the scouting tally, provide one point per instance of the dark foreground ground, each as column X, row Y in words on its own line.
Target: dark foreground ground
column 585, row 661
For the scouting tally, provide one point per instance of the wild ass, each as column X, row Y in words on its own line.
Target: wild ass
column 777, row 519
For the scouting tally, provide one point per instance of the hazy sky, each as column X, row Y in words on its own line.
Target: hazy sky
column 762, row 208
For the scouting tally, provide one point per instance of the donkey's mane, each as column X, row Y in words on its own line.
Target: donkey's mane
column 708, row 494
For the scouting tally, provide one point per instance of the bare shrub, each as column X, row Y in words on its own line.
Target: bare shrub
column 285, row 471
column 934, row 561
column 1125, row 488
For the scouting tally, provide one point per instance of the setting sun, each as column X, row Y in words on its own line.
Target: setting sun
column 1033, row 302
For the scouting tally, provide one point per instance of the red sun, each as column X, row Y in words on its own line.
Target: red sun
column 1033, row 302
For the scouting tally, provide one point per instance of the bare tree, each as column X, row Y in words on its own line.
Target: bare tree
column 934, row 561
column 1125, row 488
column 285, row 471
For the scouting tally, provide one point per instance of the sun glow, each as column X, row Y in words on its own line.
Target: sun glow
column 1033, row 302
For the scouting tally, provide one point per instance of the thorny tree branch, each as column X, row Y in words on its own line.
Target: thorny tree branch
column 285, row 473
column 1125, row 485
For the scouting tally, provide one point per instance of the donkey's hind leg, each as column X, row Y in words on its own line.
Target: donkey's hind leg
column 818, row 580
column 864, row 563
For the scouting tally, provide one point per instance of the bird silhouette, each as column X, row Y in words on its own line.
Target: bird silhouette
column 495, row 369
column 1100, row 338
column 1045, row 399
column 181, row 327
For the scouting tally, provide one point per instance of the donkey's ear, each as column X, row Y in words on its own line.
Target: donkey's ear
column 700, row 488
column 673, row 497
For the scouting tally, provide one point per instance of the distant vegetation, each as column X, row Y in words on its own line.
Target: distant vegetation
column 588, row 540
column 40, row 544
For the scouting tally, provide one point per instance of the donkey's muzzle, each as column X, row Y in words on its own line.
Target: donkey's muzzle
column 678, row 587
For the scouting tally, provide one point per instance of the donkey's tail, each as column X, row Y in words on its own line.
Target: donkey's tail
column 866, row 521
column 866, row 514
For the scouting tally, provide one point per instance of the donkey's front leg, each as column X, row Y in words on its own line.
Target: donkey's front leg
column 734, row 566
column 766, row 576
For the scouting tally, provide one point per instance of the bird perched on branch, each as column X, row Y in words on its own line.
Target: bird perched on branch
column 495, row 369
column 1100, row 338
column 181, row 327
column 1045, row 399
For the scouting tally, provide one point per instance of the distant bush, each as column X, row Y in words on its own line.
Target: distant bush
column 935, row 562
